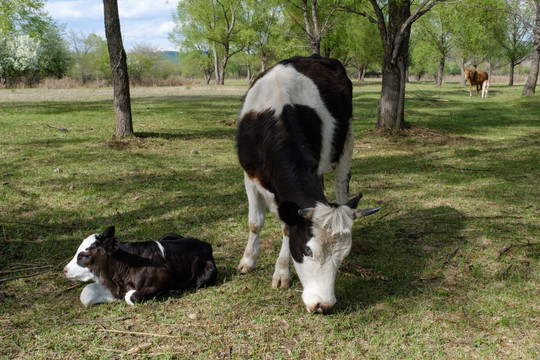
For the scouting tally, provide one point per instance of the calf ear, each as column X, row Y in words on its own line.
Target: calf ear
column 108, row 232
column 288, row 213
column 111, row 245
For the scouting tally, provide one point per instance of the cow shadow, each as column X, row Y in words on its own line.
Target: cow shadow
column 389, row 258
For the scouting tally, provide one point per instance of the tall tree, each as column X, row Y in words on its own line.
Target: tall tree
column 530, row 84
column 119, row 71
column 314, row 18
column 395, row 29
column 216, row 24
column 516, row 40
column 434, row 37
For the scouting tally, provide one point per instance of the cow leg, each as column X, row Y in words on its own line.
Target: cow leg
column 256, row 218
column 470, row 89
column 282, row 273
column 342, row 170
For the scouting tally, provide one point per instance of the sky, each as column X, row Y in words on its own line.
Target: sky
column 141, row 21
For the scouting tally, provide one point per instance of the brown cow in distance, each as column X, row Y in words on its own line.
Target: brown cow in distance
column 478, row 78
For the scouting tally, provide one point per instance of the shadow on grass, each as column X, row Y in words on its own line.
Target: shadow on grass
column 388, row 256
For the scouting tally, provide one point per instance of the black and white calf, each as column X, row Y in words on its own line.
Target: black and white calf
column 140, row 270
column 294, row 126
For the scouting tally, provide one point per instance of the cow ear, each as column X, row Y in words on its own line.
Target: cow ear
column 288, row 213
column 353, row 203
column 108, row 232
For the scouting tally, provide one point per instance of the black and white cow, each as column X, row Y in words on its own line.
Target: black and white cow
column 294, row 126
column 138, row 271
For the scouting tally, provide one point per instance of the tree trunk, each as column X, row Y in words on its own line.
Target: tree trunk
column 119, row 73
column 463, row 72
column 530, row 85
column 391, row 106
column 511, row 79
column 440, row 72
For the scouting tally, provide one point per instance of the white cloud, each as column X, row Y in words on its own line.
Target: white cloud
column 142, row 21
column 77, row 9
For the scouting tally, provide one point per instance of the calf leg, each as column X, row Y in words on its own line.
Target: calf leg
column 133, row 296
column 96, row 293
column 256, row 218
column 282, row 273
column 342, row 170
column 485, row 87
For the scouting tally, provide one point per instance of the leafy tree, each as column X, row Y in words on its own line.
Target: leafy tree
column 355, row 42
column 532, row 6
column 147, row 63
column 515, row 38
column 215, row 25
column 196, row 62
column 90, row 57
column 394, row 20
column 31, row 43
column 433, row 40
column 314, row 18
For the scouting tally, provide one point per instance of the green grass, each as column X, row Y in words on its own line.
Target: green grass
column 448, row 269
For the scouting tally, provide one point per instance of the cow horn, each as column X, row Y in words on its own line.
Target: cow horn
column 365, row 212
column 306, row 213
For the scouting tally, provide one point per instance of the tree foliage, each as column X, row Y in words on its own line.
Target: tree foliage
column 31, row 42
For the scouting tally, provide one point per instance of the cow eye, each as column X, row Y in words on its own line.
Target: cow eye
column 308, row 252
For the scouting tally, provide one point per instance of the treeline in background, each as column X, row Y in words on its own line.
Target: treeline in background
column 245, row 37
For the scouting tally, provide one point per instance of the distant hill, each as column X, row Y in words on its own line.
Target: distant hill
column 172, row 56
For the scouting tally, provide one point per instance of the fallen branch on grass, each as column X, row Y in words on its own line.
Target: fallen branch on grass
column 23, row 276
column 57, row 127
column 77, row 322
column 509, row 246
column 138, row 333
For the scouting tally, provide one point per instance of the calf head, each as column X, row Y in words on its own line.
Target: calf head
column 319, row 239
column 92, row 251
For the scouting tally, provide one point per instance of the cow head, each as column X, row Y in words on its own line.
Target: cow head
column 93, row 249
column 320, row 238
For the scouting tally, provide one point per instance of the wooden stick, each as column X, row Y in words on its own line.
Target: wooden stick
column 58, row 128
column 140, row 333
column 119, row 318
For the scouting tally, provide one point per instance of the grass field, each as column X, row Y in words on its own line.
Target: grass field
column 448, row 269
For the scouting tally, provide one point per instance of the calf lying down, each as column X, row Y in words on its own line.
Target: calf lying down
column 140, row 270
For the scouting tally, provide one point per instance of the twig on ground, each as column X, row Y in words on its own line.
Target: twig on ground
column 23, row 276
column 57, row 127
column 503, row 250
column 453, row 253
column 139, row 333
column 77, row 322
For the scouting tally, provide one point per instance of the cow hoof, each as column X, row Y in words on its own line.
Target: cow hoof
column 282, row 281
column 246, row 266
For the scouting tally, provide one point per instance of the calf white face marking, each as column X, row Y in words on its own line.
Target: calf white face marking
column 330, row 244
column 73, row 270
